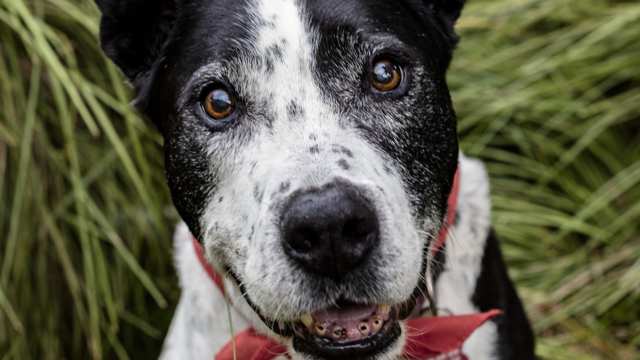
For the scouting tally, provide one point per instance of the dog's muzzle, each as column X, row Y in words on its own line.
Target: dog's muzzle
column 331, row 232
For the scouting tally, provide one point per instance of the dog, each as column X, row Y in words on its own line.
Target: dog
column 311, row 150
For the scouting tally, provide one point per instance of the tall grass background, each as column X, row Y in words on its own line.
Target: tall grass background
column 547, row 92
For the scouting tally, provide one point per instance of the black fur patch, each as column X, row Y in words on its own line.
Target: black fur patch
column 424, row 143
column 494, row 290
column 258, row 193
column 315, row 149
column 339, row 149
column 132, row 41
column 285, row 186
column 344, row 165
column 295, row 111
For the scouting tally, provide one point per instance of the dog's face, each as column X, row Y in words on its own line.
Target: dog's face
column 310, row 146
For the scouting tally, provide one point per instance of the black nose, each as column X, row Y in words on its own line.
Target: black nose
column 330, row 231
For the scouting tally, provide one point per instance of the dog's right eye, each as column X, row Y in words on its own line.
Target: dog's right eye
column 219, row 104
column 386, row 76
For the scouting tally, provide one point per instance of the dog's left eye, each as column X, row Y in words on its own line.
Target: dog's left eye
column 219, row 104
column 386, row 75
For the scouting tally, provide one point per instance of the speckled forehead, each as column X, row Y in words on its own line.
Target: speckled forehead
column 286, row 44
column 282, row 18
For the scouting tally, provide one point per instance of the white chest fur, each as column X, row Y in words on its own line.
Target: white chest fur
column 465, row 249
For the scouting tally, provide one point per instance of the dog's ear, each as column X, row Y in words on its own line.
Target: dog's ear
column 446, row 14
column 134, row 32
column 449, row 10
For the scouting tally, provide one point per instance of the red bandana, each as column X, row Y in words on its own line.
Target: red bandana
column 439, row 337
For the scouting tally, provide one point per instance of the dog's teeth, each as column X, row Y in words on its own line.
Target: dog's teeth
column 339, row 333
column 321, row 330
column 307, row 320
column 281, row 325
column 376, row 324
column 364, row 329
column 384, row 309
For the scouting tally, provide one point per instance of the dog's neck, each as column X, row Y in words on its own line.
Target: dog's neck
column 199, row 326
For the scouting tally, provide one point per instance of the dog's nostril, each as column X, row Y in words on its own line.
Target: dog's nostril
column 305, row 238
column 356, row 228
column 329, row 231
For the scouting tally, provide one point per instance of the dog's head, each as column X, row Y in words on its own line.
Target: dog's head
column 310, row 145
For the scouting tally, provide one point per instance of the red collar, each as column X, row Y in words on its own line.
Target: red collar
column 452, row 208
column 427, row 337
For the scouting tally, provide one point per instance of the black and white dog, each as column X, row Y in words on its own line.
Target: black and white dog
column 311, row 147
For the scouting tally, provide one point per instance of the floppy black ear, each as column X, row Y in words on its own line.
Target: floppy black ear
column 134, row 32
column 446, row 14
column 449, row 10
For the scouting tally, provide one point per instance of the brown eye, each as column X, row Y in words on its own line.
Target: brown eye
column 219, row 104
column 386, row 76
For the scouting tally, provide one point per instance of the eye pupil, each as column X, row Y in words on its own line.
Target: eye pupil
column 386, row 76
column 383, row 72
column 221, row 100
column 219, row 104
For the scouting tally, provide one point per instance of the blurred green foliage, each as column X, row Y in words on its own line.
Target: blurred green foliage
column 547, row 94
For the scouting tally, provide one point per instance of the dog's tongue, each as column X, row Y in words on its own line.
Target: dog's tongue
column 348, row 322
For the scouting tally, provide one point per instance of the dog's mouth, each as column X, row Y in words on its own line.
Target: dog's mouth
column 349, row 330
